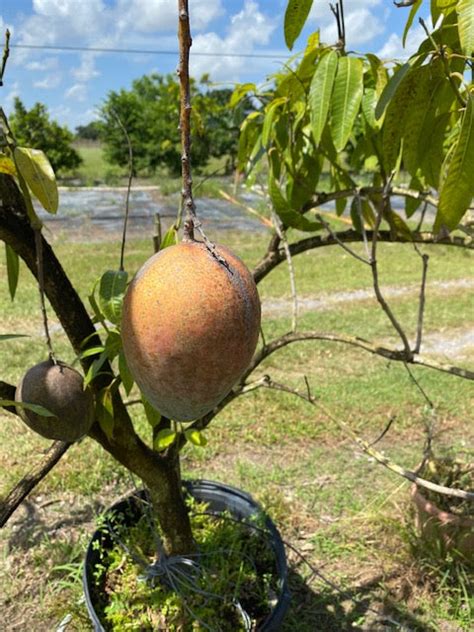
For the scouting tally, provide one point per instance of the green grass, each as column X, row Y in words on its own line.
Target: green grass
column 349, row 515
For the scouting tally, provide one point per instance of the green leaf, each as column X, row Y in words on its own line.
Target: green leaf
column 346, row 98
column 390, row 89
column 152, row 415
column 409, row 22
column 126, row 376
column 320, row 93
column 94, row 368
column 457, row 189
column 465, row 11
column 91, row 351
column 170, row 238
column 38, row 175
column 36, row 408
column 240, row 92
column 164, row 439
column 269, row 117
column 12, row 336
column 105, row 412
column 196, row 437
column 288, row 215
column 296, row 14
column 112, row 286
column 13, row 269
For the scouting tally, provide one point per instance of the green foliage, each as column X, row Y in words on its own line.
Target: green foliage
column 150, row 113
column 13, row 269
column 33, row 128
column 336, row 121
column 296, row 14
column 91, row 131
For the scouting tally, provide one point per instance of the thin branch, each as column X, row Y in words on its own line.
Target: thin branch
column 375, row 275
column 291, row 270
column 384, row 431
column 441, row 52
column 378, row 456
column 40, row 269
column 421, row 303
column 341, row 243
column 129, row 185
column 418, row 386
column 185, row 42
column 6, row 53
column 21, row 490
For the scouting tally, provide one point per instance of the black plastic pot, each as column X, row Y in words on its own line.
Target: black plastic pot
column 219, row 498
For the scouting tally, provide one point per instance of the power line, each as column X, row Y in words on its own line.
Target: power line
column 135, row 51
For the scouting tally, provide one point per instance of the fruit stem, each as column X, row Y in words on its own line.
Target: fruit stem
column 185, row 42
column 40, row 268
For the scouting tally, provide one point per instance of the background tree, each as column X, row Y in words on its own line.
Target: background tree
column 148, row 112
column 91, row 131
column 33, row 128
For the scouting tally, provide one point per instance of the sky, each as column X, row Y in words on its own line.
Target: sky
column 73, row 84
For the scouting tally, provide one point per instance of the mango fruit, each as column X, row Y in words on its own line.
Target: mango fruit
column 190, row 326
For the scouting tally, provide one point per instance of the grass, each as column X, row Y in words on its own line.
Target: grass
column 347, row 514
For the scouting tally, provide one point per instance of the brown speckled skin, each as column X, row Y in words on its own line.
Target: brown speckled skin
column 190, row 327
column 60, row 389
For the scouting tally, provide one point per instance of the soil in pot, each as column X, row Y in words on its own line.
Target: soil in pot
column 446, row 523
column 232, row 582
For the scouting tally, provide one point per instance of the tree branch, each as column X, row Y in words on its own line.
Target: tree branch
column 21, row 490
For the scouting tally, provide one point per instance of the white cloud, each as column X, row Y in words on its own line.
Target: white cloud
column 11, row 94
column 47, row 63
column 248, row 29
column 147, row 16
column 87, row 69
column 49, row 82
column 393, row 47
column 78, row 92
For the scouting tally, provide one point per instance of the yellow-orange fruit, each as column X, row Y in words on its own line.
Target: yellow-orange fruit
column 60, row 389
column 190, row 326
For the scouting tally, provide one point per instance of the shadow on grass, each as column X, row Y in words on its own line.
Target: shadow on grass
column 322, row 609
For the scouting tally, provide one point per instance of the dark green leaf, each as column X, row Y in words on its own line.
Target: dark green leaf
column 11, row 336
column 457, row 189
column 390, row 89
column 296, row 14
column 36, row 408
column 13, row 269
column 126, row 376
column 112, row 286
column 320, row 93
column 152, row 415
column 105, row 412
column 288, row 215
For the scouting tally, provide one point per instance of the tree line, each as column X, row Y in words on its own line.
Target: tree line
column 148, row 112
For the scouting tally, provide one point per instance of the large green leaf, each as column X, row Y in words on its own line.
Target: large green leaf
column 270, row 112
column 13, row 269
column 112, row 288
column 38, row 175
column 390, row 89
column 295, row 17
column 465, row 11
column 427, row 81
column 320, row 93
column 164, row 439
column 457, row 189
column 286, row 213
column 346, row 98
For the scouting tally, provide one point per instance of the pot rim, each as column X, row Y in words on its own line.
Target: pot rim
column 248, row 507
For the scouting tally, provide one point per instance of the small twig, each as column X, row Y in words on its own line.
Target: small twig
column 129, row 185
column 375, row 275
column 291, row 270
column 341, row 243
column 6, row 52
column 422, row 217
column 40, row 268
column 17, row 495
column 384, row 431
column 362, row 225
column 185, row 42
column 441, row 52
column 418, row 386
column 421, row 304
column 157, row 233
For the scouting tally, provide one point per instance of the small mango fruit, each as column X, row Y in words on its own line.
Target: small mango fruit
column 190, row 326
column 60, row 389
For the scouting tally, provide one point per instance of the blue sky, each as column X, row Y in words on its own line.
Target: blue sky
column 73, row 84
